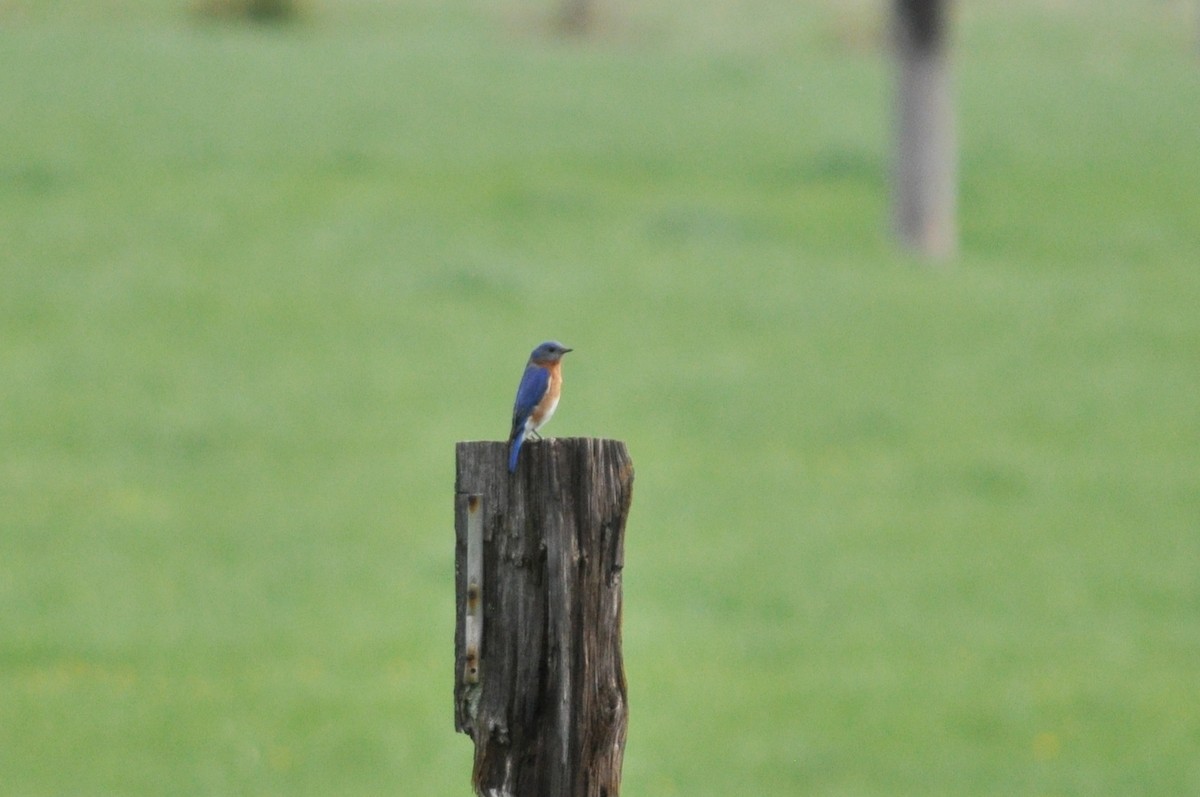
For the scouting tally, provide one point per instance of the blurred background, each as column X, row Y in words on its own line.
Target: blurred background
column 901, row 525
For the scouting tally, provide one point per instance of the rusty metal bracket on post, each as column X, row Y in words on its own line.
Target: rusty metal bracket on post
column 473, row 609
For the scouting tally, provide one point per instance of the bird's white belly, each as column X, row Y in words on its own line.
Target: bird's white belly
column 538, row 419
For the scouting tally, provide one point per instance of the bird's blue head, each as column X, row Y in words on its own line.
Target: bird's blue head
column 549, row 352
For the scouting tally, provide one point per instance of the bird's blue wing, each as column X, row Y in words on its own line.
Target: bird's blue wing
column 534, row 383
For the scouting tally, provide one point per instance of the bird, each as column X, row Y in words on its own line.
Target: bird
column 537, row 396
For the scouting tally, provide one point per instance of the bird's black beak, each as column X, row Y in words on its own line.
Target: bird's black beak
column 565, row 350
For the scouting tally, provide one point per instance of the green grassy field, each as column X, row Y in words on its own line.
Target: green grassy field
column 897, row 530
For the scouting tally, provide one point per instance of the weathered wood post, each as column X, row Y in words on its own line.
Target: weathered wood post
column 539, row 682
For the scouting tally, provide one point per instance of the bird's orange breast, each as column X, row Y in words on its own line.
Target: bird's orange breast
column 545, row 408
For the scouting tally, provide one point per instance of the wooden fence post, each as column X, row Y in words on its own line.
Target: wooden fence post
column 542, row 689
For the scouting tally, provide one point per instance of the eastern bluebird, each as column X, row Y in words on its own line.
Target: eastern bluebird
column 537, row 396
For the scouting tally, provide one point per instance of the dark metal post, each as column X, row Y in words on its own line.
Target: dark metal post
column 926, row 159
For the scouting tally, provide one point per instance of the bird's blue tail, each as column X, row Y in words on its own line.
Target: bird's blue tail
column 513, row 451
